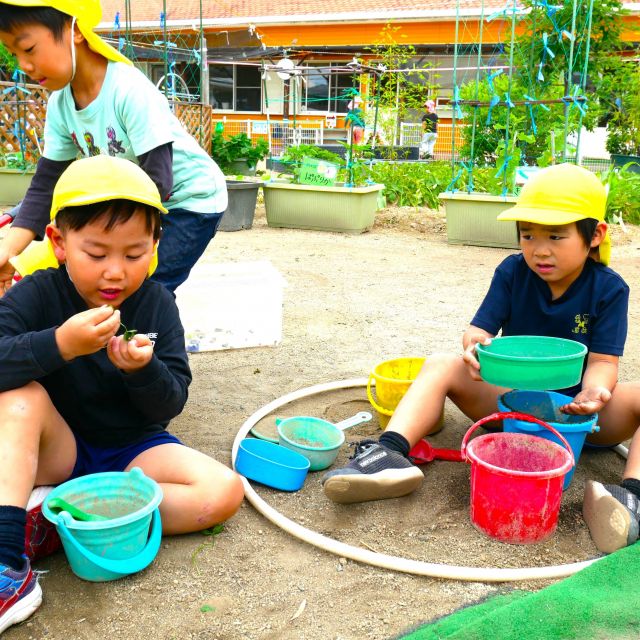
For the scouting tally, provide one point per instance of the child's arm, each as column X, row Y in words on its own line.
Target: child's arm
column 473, row 336
column 31, row 351
column 600, row 378
column 32, row 216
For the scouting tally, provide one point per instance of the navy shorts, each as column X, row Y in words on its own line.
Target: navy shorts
column 92, row 459
column 185, row 236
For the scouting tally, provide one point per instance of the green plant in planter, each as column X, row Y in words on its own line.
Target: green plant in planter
column 623, row 199
column 623, row 127
column 226, row 151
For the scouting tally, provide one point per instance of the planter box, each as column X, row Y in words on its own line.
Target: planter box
column 241, row 167
column 471, row 219
column 302, row 206
column 243, row 196
column 13, row 185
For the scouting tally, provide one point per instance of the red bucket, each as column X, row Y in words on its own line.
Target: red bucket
column 516, row 481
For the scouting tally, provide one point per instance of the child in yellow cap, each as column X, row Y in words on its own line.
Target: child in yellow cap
column 558, row 285
column 101, row 104
column 77, row 395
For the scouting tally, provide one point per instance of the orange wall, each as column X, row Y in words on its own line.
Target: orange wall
column 416, row 33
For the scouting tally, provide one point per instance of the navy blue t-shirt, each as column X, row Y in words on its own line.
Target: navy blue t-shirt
column 593, row 310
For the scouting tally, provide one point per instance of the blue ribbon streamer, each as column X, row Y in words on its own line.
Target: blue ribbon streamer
column 494, row 101
column 456, row 102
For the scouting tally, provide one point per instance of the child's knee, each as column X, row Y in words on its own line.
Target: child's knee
column 229, row 495
column 24, row 404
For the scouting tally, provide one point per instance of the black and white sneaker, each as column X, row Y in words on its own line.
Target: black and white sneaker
column 374, row 473
column 612, row 514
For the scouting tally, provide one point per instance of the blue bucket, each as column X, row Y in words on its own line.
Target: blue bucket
column 109, row 549
column 545, row 405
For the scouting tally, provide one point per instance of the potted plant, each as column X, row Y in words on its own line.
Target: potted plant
column 241, row 210
column 238, row 154
column 322, row 194
column 623, row 127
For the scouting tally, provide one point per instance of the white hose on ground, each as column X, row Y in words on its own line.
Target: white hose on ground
column 405, row 565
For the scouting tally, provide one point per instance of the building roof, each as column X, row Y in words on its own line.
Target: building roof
column 146, row 13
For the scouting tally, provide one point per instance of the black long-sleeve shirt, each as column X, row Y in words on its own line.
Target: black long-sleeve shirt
column 105, row 406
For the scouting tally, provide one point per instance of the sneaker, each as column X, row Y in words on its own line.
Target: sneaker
column 612, row 514
column 374, row 473
column 20, row 594
column 41, row 536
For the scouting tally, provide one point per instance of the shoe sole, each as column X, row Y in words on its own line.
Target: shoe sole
column 22, row 609
column 391, row 483
column 610, row 523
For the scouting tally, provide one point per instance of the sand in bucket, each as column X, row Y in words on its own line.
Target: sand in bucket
column 516, row 483
column 127, row 541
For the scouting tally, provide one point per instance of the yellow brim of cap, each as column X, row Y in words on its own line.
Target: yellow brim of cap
column 96, row 43
column 539, row 215
column 92, row 198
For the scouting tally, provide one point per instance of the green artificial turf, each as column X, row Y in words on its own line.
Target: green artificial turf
column 597, row 603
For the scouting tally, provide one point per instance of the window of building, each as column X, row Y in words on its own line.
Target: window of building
column 324, row 87
column 235, row 87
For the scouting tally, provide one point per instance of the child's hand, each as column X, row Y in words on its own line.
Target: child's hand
column 87, row 332
column 130, row 355
column 588, row 401
column 470, row 358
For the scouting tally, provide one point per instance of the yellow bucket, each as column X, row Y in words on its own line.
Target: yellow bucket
column 393, row 378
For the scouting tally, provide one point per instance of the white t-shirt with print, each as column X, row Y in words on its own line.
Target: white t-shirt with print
column 130, row 117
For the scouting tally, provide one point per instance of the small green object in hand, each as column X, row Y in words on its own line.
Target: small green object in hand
column 128, row 333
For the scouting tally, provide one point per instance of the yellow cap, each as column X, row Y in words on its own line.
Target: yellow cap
column 102, row 178
column 559, row 195
column 87, row 181
column 88, row 14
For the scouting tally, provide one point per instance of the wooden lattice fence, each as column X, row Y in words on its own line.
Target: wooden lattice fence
column 196, row 118
column 23, row 110
column 22, row 113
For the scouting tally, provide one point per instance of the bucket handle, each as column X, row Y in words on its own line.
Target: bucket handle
column 374, row 404
column 126, row 566
column 506, row 415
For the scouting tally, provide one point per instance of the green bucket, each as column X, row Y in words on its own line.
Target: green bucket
column 125, row 542
column 534, row 363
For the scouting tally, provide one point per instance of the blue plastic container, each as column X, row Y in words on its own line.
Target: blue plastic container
column 545, row 405
column 105, row 550
column 271, row 464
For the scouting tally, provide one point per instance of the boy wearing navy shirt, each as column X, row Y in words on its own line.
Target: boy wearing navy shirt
column 558, row 286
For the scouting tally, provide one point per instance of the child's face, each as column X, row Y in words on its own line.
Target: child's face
column 106, row 267
column 44, row 59
column 556, row 253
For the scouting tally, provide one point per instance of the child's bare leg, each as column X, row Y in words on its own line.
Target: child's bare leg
column 37, row 445
column 198, row 491
column 441, row 377
column 612, row 512
column 382, row 470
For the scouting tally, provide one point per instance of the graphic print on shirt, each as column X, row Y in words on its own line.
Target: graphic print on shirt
column 74, row 138
column 582, row 320
column 115, row 146
column 91, row 147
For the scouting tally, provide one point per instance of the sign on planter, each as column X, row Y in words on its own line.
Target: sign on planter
column 318, row 172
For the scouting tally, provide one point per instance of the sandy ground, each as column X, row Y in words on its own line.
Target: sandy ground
column 350, row 303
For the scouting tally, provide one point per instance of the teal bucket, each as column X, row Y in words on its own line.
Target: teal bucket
column 127, row 541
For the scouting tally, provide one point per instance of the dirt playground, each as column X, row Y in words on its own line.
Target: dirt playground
column 350, row 302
